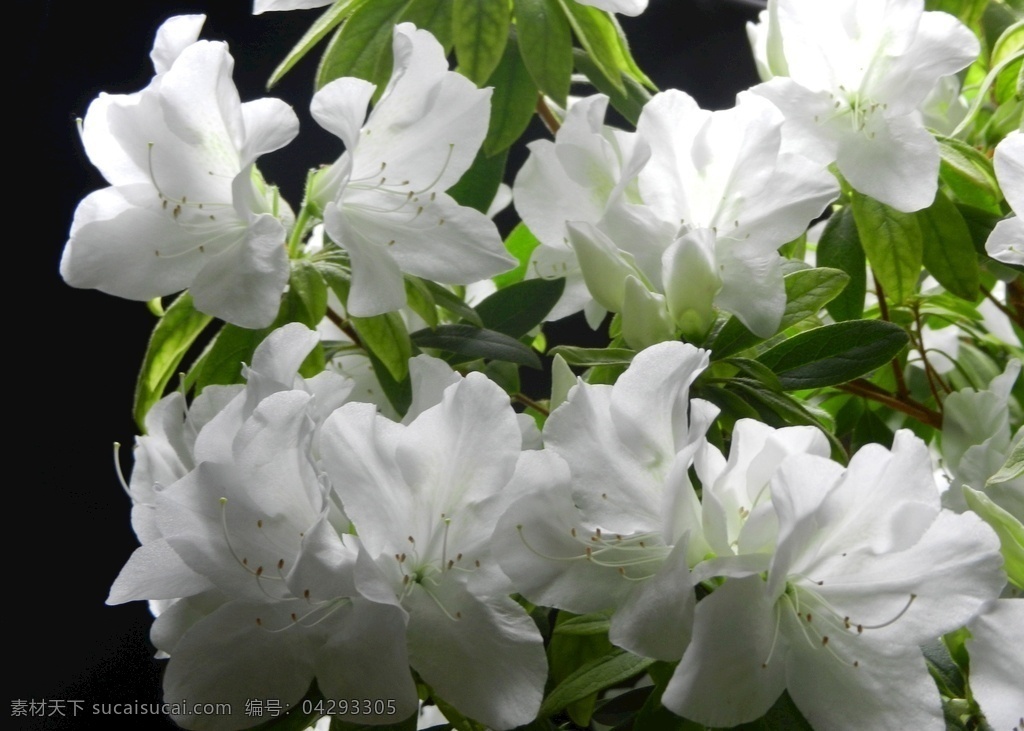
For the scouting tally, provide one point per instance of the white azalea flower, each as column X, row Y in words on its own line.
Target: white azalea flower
column 868, row 567
column 424, row 497
column 996, row 663
column 384, row 199
column 264, row 6
column 587, row 174
column 1006, row 242
column 622, row 528
column 851, row 76
column 185, row 207
column 728, row 197
column 626, row 7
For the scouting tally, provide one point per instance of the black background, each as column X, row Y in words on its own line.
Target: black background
column 71, row 355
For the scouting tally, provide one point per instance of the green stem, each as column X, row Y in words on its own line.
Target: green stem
column 979, row 100
column 295, row 240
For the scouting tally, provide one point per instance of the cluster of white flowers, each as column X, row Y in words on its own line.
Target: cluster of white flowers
column 291, row 531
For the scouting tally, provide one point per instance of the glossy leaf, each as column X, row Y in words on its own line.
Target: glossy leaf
column 893, row 245
column 474, row 342
column 173, row 335
column 834, row 354
column 948, row 248
column 599, row 38
column 478, row 185
column 362, row 45
column 969, row 174
column 520, row 244
column 586, row 624
column 513, row 102
column 386, row 337
column 616, row 666
column 589, row 357
column 316, row 33
column 480, row 29
column 839, row 248
column 545, row 42
column 629, row 102
column 434, row 16
column 448, row 300
column 517, row 309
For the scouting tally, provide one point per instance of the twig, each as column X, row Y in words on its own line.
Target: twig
column 345, row 326
column 1002, row 308
column 908, row 406
column 527, row 401
column 547, row 116
column 883, row 307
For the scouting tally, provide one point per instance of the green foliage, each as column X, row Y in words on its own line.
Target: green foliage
column 478, row 185
column 840, row 248
column 969, row 174
column 362, row 45
column 948, row 252
column 480, row 29
column 386, row 337
column 520, row 244
column 590, row 357
column 1007, row 527
column 545, row 41
column 173, row 335
column 604, row 672
column 474, row 342
column 893, row 244
column 520, row 307
column 316, row 33
column 513, row 101
column 834, row 354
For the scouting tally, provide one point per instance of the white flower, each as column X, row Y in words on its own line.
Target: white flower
column 728, row 197
column 1006, row 242
column 587, row 174
column 996, row 664
column 384, row 199
column 851, row 75
column 424, row 497
column 867, row 568
column 264, row 6
column 185, row 207
column 621, row 529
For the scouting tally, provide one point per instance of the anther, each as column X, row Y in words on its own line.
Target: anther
column 280, row 564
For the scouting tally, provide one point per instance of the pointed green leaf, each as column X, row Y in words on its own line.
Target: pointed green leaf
column 629, row 102
column 480, row 29
column 545, row 41
column 386, row 337
column 451, row 302
column 421, row 301
column 948, row 248
column 893, row 244
column 474, row 342
column 520, row 244
column 434, row 16
column 790, row 410
column 513, row 102
column 518, row 308
column 589, row 357
column 834, row 354
column 478, row 185
column 316, row 33
column 173, row 335
column 307, row 295
column 839, row 248
column 362, row 45
column 1007, row 527
column 969, row 174
column 616, row 666
column 1012, row 468
column 596, row 623
column 807, row 291
column 599, row 38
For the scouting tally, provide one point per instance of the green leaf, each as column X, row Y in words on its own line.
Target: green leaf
column 307, row 295
column 1012, row 468
column 545, row 41
column 434, row 16
column 451, row 302
column 221, row 364
column 596, row 623
column 513, row 102
column 475, row 342
column 398, row 392
column 518, row 308
column 478, row 185
column 616, row 666
column 755, row 370
column 948, row 252
column 834, row 354
column 362, row 46
column 590, row 357
column 840, row 248
column 421, row 301
column 173, row 335
column 807, row 291
column 892, row 242
column 386, row 337
column 969, row 174
column 629, row 102
column 782, row 716
column 520, row 244
column 316, row 33
column 788, row 409
column 480, row 29
column 599, row 38
column 1007, row 527
column 566, row 654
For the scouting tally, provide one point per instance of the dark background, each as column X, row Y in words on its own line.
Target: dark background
column 73, row 353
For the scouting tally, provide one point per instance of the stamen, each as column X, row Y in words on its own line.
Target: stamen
column 120, row 474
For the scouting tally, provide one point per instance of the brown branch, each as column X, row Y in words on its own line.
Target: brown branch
column 345, row 326
column 929, row 371
column 547, row 116
column 1014, row 316
column 527, row 401
column 897, row 370
column 908, row 406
